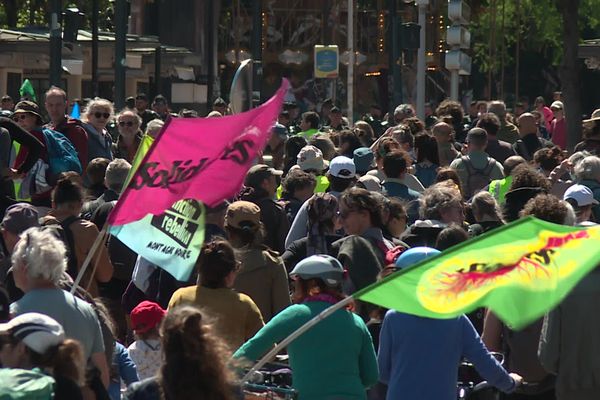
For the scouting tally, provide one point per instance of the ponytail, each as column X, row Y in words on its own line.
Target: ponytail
column 66, row 360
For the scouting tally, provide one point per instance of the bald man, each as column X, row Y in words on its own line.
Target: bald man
column 529, row 142
column 446, row 150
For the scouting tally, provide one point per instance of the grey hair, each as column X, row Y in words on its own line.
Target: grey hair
column 571, row 217
column 154, row 126
column 42, row 254
column 405, row 109
column 133, row 113
column 116, row 174
column 577, row 157
column 435, row 199
column 98, row 103
column 588, row 169
column 497, row 107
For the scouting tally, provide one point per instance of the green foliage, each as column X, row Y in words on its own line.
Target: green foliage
column 540, row 26
column 36, row 13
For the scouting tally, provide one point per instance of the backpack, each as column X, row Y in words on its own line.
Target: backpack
column 477, row 179
column 62, row 232
column 21, row 384
column 62, row 156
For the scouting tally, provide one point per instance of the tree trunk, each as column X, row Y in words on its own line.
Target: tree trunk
column 570, row 71
column 11, row 9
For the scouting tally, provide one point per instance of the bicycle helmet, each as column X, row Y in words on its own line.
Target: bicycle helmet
column 321, row 266
column 414, row 256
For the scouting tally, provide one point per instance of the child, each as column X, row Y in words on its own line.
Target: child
column 145, row 351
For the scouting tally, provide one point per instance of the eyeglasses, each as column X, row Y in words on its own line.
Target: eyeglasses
column 126, row 123
column 19, row 117
column 99, row 115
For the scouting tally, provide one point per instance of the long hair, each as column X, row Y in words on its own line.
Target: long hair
column 195, row 359
column 66, row 360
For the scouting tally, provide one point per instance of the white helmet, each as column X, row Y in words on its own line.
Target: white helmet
column 321, row 266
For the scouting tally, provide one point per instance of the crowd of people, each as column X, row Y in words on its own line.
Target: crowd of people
column 327, row 209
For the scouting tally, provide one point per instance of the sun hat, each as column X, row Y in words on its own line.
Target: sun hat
column 311, row 158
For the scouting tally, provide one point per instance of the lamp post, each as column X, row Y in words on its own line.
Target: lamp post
column 421, row 62
column 350, row 61
column 56, row 43
column 120, row 52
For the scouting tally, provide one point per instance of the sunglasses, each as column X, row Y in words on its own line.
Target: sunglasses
column 126, row 123
column 19, row 117
column 98, row 114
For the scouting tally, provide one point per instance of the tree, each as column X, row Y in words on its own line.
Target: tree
column 570, row 69
column 548, row 31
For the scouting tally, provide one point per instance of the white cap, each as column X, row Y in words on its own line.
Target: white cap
column 371, row 183
column 557, row 104
column 342, row 167
column 39, row 332
column 581, row 194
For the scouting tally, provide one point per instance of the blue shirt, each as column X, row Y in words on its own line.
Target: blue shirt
column 125, row 370
column 395, row 188
column 419, row 357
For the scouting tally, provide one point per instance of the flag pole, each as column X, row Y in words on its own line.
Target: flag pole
column 318, row 318
column 90, row 255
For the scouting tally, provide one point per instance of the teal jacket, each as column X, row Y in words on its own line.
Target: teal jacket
column 332, row 360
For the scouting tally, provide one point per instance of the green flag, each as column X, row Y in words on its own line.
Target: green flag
column 143, row 148
column 520, row 271
column 26, row 90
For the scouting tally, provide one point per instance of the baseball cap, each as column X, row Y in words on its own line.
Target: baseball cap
column 37, row 331
column 258, row 173
column 557, row 104
column 146, row 316
column 310, row 157
column 20, row 217
column 363, row 159
column 581, row 194
column 342, row 167
column 371, row 183
column 243, row 214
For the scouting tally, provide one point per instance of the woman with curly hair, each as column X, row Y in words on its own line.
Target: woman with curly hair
column 194, row 365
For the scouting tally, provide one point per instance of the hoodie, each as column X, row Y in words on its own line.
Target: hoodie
column 272, row 215
column 263, row 277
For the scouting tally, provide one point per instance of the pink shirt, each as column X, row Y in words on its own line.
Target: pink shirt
column 558, row 132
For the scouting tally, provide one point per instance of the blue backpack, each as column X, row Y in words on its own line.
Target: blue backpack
column 62, row 156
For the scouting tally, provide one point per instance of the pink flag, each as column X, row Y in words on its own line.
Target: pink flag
column 204, row 159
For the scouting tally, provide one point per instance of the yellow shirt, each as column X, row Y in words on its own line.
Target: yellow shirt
column 236, row 317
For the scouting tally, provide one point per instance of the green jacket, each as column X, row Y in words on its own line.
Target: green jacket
column 334, row 359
